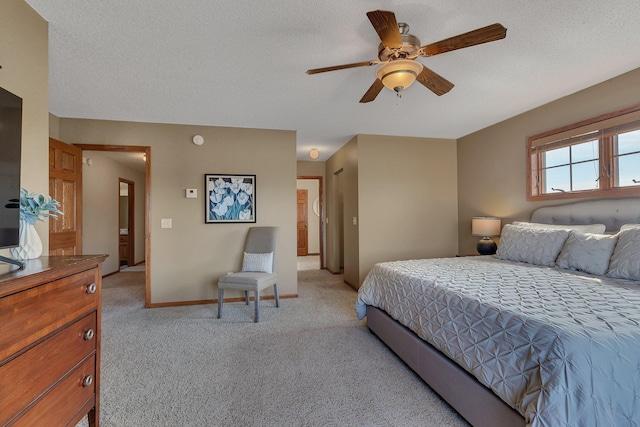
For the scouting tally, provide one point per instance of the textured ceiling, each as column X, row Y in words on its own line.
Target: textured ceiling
column 242, row 63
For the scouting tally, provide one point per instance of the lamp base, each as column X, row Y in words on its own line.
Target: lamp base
column 486, row 246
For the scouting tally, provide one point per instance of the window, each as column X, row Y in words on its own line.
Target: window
column 596, row 157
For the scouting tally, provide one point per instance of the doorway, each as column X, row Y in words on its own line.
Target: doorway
column 310, row 220
column 126, row 223
column 141, row 152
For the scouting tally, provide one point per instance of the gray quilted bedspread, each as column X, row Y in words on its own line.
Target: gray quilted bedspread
column 560, row 347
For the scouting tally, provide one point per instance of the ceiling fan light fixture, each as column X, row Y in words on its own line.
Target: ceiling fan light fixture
column 399, row 74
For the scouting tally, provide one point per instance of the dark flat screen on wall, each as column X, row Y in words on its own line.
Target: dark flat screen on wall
column 10, row 149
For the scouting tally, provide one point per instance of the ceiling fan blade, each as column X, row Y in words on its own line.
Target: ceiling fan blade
column 342, row 67
column 373, row 91
column 434, row 82
column 386, row 26
column 481, row 35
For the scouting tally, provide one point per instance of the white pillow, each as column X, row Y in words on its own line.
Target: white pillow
column 587, row 252
column 585, row 228
column 260, row 263
column 535, row 246
column 625, row 261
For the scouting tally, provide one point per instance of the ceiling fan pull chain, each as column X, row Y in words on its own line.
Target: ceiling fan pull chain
column 398, row 96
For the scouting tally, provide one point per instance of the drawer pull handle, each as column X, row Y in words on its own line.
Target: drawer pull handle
column 91, row 289
column 88, row 335
column 87, row 381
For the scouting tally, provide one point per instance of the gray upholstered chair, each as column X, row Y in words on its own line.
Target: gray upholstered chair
column 258, row 269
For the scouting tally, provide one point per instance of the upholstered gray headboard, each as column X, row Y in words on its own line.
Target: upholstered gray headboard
column 611, row 212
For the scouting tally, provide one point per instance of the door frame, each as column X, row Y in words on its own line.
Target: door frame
column 147, row 202
column 321, row 214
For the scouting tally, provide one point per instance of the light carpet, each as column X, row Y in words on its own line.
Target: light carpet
column 308, row 363
column 133, row 268
column 309, row 262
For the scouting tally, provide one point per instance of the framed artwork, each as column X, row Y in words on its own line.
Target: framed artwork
column 230, row 198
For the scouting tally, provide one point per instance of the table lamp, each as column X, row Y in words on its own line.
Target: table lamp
column 485, row 227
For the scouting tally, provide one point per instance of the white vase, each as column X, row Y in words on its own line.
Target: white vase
column 30, row 243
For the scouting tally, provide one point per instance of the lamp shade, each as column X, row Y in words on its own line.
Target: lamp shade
column 485, row 226
column 399, row 74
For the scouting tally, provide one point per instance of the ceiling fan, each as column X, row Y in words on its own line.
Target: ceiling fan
column 398, row 51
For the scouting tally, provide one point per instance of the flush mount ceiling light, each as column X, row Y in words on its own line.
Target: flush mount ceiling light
column 399, row 74
column 314, row 154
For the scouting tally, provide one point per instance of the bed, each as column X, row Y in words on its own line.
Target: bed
column 544, row 333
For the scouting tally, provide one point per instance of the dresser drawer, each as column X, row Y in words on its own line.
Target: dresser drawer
column 28, row 316
column 39, row 368
column 61, row 404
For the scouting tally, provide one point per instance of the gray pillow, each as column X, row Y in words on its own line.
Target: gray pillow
column 535, row 246
column 587, row 252
column 625, row 261
column 585, row 228
column 629, row 226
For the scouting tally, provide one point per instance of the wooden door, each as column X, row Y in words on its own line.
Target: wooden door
column 303, row 233
column 65, row 185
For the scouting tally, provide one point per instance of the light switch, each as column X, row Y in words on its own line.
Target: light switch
column 192, row 193
column 165, row 223
column 355, row 221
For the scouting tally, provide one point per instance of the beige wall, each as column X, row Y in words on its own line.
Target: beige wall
column 407, row 194
column 402, row 193
column 54, row 126
column 342, row 245
column 187, row 259
column 100, row 215
column 492, row 162
column 25, row 68
column 311, row 168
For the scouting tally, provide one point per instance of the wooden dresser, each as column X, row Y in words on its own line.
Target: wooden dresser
column 50, row 341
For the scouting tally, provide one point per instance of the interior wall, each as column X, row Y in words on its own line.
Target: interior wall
column 24, row 59
column 492, row 162
column 54, row 126
column 407, row 195
column 187, row 259
column 343, row 163
column 311, row 168
column 100, row 215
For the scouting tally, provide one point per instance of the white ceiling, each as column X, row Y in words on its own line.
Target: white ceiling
column 242, row 63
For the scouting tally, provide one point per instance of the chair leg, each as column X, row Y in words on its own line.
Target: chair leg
column 257, row 302
column 220, row 298
column 246, row 297
column 275, row 294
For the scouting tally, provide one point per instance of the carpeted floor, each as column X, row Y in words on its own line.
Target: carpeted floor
column 308, row 363
column 309, row 262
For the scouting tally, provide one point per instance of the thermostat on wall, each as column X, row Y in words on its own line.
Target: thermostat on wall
column 192, row 193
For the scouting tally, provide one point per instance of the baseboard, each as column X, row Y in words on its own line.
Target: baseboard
column 215, row 301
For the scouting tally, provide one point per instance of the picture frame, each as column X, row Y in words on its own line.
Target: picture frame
column 229, row 198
